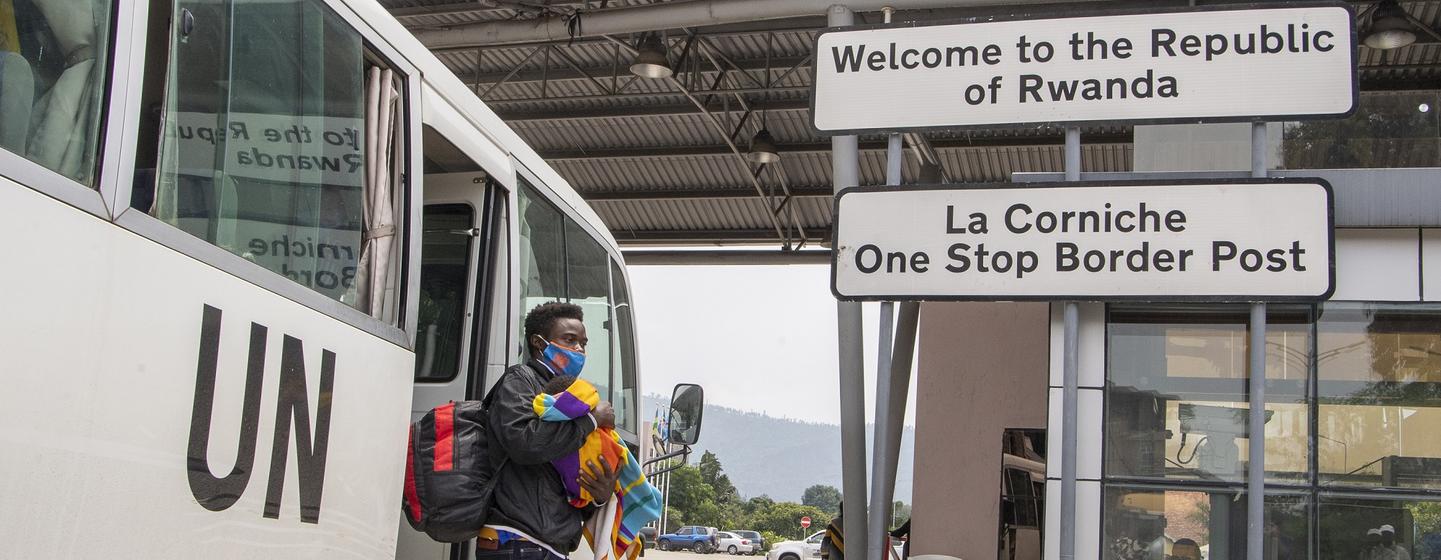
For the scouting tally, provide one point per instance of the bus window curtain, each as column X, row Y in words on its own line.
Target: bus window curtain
column 60, row 126
column 376, row 283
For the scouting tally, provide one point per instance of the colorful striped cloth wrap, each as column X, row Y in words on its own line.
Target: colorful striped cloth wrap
column 636, row 501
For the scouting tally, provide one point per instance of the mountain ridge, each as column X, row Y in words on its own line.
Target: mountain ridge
column 778, row 465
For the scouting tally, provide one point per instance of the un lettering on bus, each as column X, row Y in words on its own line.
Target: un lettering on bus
column 217, row 493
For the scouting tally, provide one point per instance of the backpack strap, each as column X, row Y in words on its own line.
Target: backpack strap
column 485, row 410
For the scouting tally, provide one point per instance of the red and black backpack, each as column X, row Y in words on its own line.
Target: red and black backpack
column 449, row 480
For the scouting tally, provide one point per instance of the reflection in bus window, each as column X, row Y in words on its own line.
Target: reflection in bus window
column 53, row 55
column 588, row 285
column 542, row 254
column 444, row 272
column 265, row 150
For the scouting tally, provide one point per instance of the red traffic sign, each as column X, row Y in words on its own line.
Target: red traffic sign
column 805, row 522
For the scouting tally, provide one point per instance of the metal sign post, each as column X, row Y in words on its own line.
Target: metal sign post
column 1256, row 426
column 845, row 170
column 1070, row 382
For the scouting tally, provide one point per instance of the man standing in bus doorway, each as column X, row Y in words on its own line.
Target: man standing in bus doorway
column 532, row 518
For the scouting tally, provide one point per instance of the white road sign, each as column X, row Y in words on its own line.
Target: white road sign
column 1248, row 240
column 1264, row 61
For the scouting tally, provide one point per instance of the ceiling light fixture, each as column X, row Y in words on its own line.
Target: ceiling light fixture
column 763, row 147
column 1390, row 28
column 650, row 59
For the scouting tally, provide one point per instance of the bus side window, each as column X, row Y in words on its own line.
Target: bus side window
column 560, row 261
column 542, row 254
column 53, row 55
column 263, row 146
column 444, row 273
column 624, row 394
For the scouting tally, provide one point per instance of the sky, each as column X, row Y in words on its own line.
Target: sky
column 758, row 338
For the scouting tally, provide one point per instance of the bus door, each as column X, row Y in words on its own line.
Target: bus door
column 463, row 296
column 462, row 331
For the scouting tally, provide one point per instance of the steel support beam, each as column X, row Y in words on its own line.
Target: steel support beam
column 513, row 111
column 579, row 72
column 671, row 237
column 634, row 257
column 808, row 191
column 816, row 148
column 671, row 15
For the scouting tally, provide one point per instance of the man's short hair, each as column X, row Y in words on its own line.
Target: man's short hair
column 541, row 319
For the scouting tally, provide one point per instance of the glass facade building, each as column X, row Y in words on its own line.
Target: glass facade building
column 1353, row 405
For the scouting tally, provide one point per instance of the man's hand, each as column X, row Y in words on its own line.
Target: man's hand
column 604, row 415
column 599, row 480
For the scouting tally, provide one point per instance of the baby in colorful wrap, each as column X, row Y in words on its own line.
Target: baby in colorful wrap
column 636, row 502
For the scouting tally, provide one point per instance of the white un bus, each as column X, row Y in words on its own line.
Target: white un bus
column 245, row 242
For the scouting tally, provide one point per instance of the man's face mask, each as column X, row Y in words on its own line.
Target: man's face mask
column 568, row 360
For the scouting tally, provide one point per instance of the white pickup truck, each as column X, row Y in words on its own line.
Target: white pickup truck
column 797, row 550
column 811, row 548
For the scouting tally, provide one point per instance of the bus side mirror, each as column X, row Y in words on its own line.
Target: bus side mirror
column 687, row 403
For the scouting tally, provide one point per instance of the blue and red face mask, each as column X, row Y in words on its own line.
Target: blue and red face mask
column 568, row 360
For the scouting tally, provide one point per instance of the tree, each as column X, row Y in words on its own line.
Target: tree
column 784, row 519
column 759, row 503
column 823, row 496
column 688, row 490
column 713, row 474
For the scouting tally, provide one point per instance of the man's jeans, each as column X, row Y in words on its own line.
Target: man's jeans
column 517, row 550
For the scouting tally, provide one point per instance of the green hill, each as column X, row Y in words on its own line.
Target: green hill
column 778, row 457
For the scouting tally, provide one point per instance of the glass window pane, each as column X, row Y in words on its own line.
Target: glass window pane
column 1177, row 392
column 626, row 390
column 1389, row 129
column 53, row 58
column 1379, row 385
column 588, row 285
column 264, row 153
column 1155, row 524
column 444, row 272
column 1356, row 528
column 542, row 255
column 1023, row 493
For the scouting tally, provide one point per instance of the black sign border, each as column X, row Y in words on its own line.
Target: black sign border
column 1355, row 70
column 1225, row 298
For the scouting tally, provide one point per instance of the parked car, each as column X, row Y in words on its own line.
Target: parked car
column 691, row 537
column 757, row 541
column 646, row 536
column 733, row 543
column 797, row 550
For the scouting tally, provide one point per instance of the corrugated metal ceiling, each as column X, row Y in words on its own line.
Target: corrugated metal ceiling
column 657, row 169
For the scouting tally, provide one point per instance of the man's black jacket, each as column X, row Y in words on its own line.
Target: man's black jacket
column 529, row 496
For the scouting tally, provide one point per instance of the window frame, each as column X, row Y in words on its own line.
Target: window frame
column 118, row 170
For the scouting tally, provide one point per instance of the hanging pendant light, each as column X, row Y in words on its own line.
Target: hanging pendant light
column 650, row 59
column 1390, row 28
column 763, row 148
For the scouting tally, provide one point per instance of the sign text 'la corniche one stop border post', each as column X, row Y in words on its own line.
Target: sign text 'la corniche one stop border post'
column 1255, row 62
column 1182, row 241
